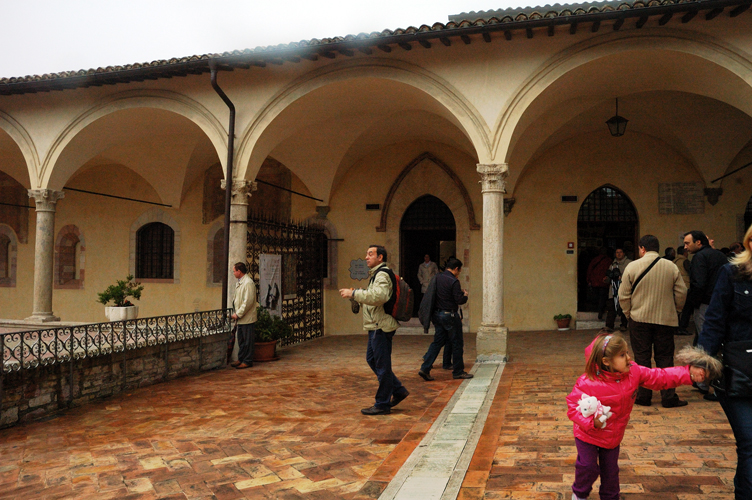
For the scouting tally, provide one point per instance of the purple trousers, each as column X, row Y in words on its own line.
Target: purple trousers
column 593, row 461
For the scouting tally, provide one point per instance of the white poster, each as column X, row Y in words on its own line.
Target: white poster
column 270, row 282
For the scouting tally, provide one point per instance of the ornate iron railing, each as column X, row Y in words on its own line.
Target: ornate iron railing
column 31, row 349
column 302, row 247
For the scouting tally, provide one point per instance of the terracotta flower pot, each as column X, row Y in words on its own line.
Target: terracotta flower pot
column 265, row 351
column 563, row 323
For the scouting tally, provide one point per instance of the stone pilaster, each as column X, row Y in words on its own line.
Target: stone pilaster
column 241, row 191
column 491, row 342
column 46, row 201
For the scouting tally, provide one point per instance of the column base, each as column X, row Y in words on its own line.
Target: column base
column 491, row 343
column 41, row 318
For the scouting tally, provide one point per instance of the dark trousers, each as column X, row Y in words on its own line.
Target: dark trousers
column 379, row 358
column 245, row 343
column 601, row 293
column 739, row 414
column 653, row 341
column 593, row 461
column 611, row 315
column 448, row 331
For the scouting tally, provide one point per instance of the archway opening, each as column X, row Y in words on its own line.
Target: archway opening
column 427, row 228
column 607, row 220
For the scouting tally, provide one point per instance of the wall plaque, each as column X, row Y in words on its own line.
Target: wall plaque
column 358, row 269
column 681, row 198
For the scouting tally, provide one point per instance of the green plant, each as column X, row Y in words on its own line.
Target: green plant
column 270, row 327
column 120, row 292
column 562, row 316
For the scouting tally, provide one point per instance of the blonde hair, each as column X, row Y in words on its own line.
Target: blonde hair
column 743, row 261
column 606, row 345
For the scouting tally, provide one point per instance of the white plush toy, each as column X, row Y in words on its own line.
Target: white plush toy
column 589, row 405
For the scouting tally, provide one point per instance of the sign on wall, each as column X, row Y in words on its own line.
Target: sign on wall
column 358, row 269
column 270, row 282
column 681, row 198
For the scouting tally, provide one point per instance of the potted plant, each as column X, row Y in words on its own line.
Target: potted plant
column 118, row 294
column 562, row 320
column 268, row 331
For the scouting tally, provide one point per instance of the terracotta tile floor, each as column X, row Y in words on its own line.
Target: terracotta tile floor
column 288, row 429
column 292, row 429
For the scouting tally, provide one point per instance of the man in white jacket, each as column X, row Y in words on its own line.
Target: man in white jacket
column 245, row 306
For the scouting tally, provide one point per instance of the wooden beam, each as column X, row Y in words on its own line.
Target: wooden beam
column 385, row 48
column 327, row 54
column 618, row 23
column 425, row 43
column 641, row 22
column 260, row 64
column 551, row 30
column 405, row 45
column 346, row 52
column 595, row 27
column 739, row 10
column 486, row 37
column 311, row 56
column 713, row 13
column 688, row 16
column 366, row 50
column 447, row 42
column 507, row 34
column 529, row 32
column 278, row 62
column 665, row 18
column 573, row 28
column 294, row 59
column 465, row 39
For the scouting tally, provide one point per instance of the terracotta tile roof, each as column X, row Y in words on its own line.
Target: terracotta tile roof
column 460, row 25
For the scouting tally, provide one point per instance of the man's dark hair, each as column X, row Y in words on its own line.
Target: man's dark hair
column 453, row 263
column 681, row 250
column 699, row 236
column 242, row 267
column 379, row 251
column 669, row 253
column 649, row 243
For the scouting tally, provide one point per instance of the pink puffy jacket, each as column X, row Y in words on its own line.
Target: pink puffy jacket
column 618, row 390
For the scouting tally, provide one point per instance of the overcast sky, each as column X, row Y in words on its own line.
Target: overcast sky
column 49, row 36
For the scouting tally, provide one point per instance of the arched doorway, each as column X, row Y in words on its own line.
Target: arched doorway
column 607, row 219
column 427, row 227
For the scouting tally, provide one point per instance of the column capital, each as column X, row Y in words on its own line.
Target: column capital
column 46, row 199
column 492, row 177
column 241, row 190
column 322, row 211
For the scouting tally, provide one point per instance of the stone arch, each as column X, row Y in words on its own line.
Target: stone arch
column 447, row 170
column 25, row 144
column 215, row 230
column 68, row 234
column 155, row 215
column 705, row 47
column 158, row 99
column 8, row 254
column 423, row 177
column 468, row 119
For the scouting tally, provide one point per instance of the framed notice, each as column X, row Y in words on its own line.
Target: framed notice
column 270, row 282
column 681, row 198
column 358, row 269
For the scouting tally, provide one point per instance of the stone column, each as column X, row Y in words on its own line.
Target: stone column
column 44, row 251
column 491, row 342
column 241, row 191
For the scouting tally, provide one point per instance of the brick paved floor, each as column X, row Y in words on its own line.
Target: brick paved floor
column 527, row 449
column 289, row 429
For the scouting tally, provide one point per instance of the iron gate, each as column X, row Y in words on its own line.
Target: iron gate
column 303, row 250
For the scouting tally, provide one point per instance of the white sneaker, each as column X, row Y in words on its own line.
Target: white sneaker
column 575, row 497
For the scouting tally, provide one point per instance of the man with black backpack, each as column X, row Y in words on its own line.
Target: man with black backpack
column 381, row 327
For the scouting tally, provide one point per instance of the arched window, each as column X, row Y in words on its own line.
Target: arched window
column 155, row 249
column 69, row 258
column 4, row 257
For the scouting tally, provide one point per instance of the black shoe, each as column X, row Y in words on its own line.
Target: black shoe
column 710, row 397
column 425, row 332
column 463, row 375
column 397, row 399
column 639, row 402
column 683, row 332
column 354, row 306
column 702, row 390
column 446, row 367
column 425, row 376
column 674, row 403
column 375, row 410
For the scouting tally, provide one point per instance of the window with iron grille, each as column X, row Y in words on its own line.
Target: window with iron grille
column 155, row 249
column 607, row 204
column 67, row 259
column 427, row 212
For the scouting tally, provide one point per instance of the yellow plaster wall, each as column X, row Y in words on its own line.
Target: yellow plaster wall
column 540, row 277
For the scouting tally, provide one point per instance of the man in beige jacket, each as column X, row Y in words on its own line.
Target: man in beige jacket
column 650, row 297
column 245, row 306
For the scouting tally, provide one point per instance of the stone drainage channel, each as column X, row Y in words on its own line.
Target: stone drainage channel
column 437, row 467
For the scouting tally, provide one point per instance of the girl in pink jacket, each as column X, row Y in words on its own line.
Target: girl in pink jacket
column 611, row 377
